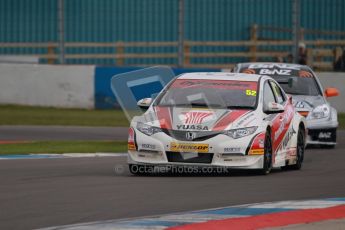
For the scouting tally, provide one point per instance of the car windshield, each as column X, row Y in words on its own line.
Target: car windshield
column 210, row 93
column 300, row 85
column 303, row 80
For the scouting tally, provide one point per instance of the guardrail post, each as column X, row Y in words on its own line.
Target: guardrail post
column 301, row 34
column 253, row 39
column 318, row 45
column 186, row 52
column 338, row 52
column 51, row 53
column 120, row 50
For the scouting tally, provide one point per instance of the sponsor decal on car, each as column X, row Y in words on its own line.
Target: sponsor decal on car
column 287, row 139
column 220, row 84
column 232, row 149
column 325, row 135
column 188, row 147
column 148, row 146
column 291, row 153
column 192, row 127
column 196, row 117
column 285, row 121
column 273, row 65
column 246, row 120
column 286, row 72
column 251, row 92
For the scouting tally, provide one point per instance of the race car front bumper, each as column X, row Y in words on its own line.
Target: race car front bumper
column 322, row 132
column 222, row 151
column 322, row 136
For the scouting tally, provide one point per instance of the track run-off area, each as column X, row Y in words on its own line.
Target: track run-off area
column 38, row 193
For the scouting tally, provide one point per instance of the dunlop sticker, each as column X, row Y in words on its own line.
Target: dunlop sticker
column 186, row 147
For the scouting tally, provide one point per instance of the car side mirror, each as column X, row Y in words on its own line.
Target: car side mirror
column 273, row 107
column 144, row 103
column 331, row 92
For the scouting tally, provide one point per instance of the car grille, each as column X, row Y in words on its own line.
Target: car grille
column 204, row 158
column 199, row 135
column 323, row 135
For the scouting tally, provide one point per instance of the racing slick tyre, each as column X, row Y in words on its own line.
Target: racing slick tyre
column 267, row 166
column 300, row 151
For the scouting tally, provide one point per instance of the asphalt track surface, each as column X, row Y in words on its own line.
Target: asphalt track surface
column 38, row 193
column 55, row 133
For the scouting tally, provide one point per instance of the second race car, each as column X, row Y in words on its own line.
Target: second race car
column 308, row 97
column 221, row 120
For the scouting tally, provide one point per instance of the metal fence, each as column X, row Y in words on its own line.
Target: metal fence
column 146, row 32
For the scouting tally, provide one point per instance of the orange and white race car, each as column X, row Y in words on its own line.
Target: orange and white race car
column 228, row 120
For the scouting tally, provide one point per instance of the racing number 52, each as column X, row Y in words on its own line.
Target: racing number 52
column 250, row 92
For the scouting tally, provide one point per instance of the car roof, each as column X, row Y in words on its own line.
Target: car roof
column 221, row 76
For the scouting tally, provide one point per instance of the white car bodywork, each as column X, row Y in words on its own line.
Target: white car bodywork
column 160, row 136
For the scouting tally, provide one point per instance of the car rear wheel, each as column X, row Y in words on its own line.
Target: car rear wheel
column 300, row 149
column 267, row 166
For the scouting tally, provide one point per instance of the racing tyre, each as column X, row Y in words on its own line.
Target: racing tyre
column 267, row 167
column 300, row 149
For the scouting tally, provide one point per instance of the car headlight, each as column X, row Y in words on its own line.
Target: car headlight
column 238, row 133
column 321, row 111
column 148, row 129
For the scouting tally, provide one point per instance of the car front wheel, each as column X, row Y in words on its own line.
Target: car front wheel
column 267, row 165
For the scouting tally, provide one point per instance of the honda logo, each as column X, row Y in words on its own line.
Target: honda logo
column 190, row 136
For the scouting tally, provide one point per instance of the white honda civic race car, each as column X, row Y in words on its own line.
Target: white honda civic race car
column 218, row 120
column 308, row 97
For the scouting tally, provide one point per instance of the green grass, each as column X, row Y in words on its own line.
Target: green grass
column 30, row 115
column 64, row 147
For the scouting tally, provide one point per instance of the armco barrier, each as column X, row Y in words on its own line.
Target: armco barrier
column 47, row 85
column 89, row 87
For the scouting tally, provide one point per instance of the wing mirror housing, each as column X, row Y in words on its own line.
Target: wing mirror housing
column 273, row 107
column 331, row 92
column 144, row 103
